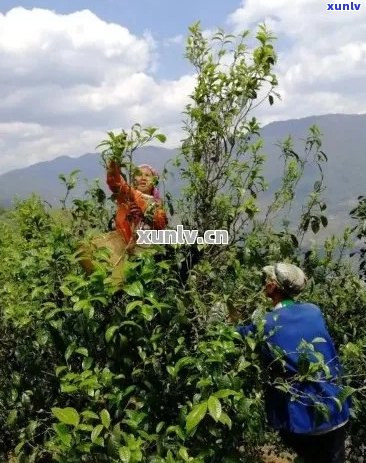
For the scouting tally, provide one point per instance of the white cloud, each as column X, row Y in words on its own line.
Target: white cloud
column 176, row 40
column 322, row 55
column 67, row 79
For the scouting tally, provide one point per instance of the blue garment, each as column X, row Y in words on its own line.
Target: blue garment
column 285, row 328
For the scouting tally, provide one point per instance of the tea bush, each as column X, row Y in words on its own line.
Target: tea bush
column 147, row 373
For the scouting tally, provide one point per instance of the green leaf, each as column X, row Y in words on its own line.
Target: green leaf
column 161, row 137
column 183, row 362
column 315, row 225
column 95, row 433
column 132, row 305
column 214, row 407
column 225, row 393
column 346, row 392
column 183, row 453
column 66, row 415
column 74, row 172
column 99, row 441
column 204, row 382
column 322, row 413
column 90, row 415
column 53, row 313
column 132, row 323
column 68, row 388
column 82, row 305
column 318, row 340
column 163, row 265
column 294, row 240
column 338, row 402
column 60, row 370
column 169, row 457
column 160, row 426
column 87, row 363
column 148, row 312
column 251, row 342
column 303, row 364
column 110, row 332
column 70, row 350
column 85, row 427
column 225, row 419
column 84, row 448
column 149, row 130
column 171, row 370
column 105, row 418
column 32, row 426
column 65, row 439
column 100, row 299
column 19, row 447
column 324, row 220
column 134, row 289
column 317, row 185
column 65, row 290
column 12, row 417
column 196, row 415
column 82, row 351
column 124, row 454
column 113, row 445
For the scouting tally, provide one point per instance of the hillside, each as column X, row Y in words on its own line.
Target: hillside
column 344, row 138
column 344, row 141
column 42, row 178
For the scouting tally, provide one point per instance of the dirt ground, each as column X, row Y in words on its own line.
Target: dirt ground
column 275, row 459
column 269, row 456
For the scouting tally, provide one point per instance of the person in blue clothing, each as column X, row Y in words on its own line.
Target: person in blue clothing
column 297, row 343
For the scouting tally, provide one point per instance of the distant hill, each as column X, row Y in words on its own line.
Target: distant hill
column 42, row 178
column 344, row 141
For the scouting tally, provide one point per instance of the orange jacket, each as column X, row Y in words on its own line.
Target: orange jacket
column 126, row 197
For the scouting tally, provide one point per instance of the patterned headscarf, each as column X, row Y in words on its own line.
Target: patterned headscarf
column 290, row 278
column 155, row 192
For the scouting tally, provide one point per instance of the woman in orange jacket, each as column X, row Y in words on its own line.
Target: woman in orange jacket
column 139, row 206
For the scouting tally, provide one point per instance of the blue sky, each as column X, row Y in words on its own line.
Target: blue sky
column 164, row 19
column 71, row 70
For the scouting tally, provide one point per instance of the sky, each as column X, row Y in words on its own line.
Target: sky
column 70, row 70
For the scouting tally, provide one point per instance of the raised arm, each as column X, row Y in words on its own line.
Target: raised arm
column 115, row 181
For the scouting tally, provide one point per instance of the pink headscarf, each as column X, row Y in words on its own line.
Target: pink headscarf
column 155, row 191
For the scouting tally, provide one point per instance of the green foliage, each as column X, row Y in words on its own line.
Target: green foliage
column 107, row 355
column 312, row 213
column 120, row 147
column 359, row 214
column 150, row 373
column 70, row 183
column 219, row 160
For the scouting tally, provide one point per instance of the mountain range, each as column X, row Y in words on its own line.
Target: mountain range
column 343, row 141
